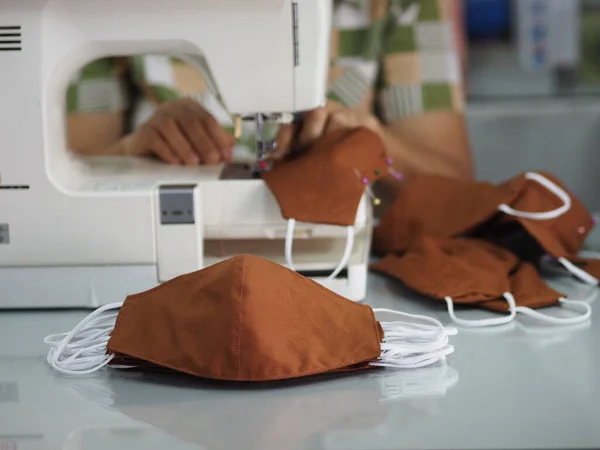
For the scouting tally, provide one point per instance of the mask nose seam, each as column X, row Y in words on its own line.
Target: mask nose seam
column 238, row 331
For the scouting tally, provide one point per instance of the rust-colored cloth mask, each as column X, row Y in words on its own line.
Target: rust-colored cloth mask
column 554, row 218
column 245, row 319
column 532, row 214
column 531, row 293
column 476, row 273
column 439, row 207
column 325, row 183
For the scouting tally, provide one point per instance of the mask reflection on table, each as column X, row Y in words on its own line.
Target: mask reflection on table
column 271, row 415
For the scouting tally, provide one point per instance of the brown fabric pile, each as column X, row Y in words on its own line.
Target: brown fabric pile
column 474, row 242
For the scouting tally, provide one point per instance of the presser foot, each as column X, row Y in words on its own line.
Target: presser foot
column 264, row 150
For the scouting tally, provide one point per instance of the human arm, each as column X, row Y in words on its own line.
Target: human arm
column 434, row 142
column 419, row 94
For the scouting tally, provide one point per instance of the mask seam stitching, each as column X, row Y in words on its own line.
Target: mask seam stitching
column 282, row 376
column 239, row 321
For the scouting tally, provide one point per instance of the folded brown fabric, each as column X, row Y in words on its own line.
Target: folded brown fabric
column 325, row 183
column 538, row 209
column 439, row 207
column 468, row 271
column 480, row 274
column 529, row 290
column 532, row 214
column 546, row 218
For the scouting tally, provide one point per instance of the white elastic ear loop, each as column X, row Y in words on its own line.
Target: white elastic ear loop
column 484, row 322
column 573, row 304
column 433, row 327
column 552, row 187
column 415, row 361
column 578, row 272
column 289, row 240
column 83, row 350
column 407, row 345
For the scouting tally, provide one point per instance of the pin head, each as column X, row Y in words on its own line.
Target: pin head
column 376, row 201
column 365, row 180
column 397, row 175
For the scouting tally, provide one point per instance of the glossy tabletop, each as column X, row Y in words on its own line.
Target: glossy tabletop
column 518, row 386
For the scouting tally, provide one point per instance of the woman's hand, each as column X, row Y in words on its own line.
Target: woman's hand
column 181, row 132
column 320, row 122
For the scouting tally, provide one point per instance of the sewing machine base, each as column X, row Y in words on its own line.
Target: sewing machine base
column 93, row 286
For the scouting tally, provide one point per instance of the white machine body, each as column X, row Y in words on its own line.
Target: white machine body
column 80, row 232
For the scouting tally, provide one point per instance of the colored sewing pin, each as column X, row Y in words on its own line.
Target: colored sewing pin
column 376, row 201
column 396, row 175
column 391, row 171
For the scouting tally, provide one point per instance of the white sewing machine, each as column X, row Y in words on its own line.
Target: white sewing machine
column 80, row 233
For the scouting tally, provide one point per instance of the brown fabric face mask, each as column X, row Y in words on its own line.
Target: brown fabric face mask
column 554, row 218
column 258, row 321
column 439, row 207
column 468, row 271
column 244, row 319
column 460, row 270
column 475, row 272
column 539, row 216
column 324, row 183
column 528, row 289
column 531, row 292
column 551, row 214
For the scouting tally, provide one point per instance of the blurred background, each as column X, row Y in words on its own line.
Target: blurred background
column 533, row 85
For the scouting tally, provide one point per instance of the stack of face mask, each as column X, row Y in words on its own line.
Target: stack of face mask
column 479, row 244
column 246, row 319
